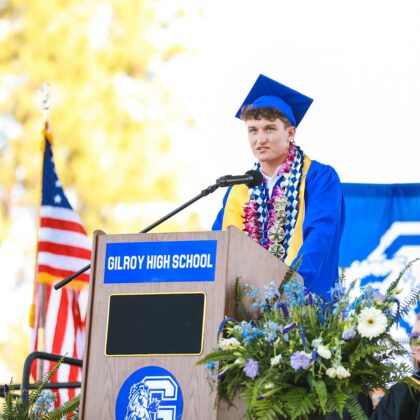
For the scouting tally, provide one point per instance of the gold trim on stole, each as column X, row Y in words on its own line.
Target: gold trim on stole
column 239, row 195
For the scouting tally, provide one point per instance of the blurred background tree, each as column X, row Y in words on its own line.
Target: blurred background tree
column 110, row 117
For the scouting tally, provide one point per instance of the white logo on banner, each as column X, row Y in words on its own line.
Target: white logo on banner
column 378, row 264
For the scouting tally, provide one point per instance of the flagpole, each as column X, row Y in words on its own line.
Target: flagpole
column 38, row 304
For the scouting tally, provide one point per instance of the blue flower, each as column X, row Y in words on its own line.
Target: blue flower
column 283, row 307
column 251, row 291
column 211, row 367
column 270, row 330
column 376, row 294
column 249, row 332
column 299, row 360
column 271, row 291
column 44, row 403
column 274, row 326
column 295, row 291
column 289, row 327
column 337, row 292
column 251, row 368
column 302, row 335
column 348, row 334
column 270, row 335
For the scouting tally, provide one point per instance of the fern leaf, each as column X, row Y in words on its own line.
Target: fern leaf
column 412, row 383
column 355, row 409
column 365, row 350
column 321, row 390
column 299, row 403
column 8, row 403
column 216, row 356
column 44, row 381
column 67, row 408
column 394, row 284
column 337, row 401
column 75, row 415
column 410, row 301
column 287, row 277
column 241, row 310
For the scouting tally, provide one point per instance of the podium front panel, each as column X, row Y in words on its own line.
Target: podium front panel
column 116, row 378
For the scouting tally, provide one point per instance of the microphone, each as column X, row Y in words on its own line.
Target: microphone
column 251, row 178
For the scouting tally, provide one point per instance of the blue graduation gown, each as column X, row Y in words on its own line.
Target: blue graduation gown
column 322, row 227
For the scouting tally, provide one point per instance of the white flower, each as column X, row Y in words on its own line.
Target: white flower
column 331, row 372
column 337, row 372
column 323, row 351
column 317, row 342
column 269, row 385
column 239, row 361
column 372, row 322
column 275, row 360
column 342, row 372
column 229, row 343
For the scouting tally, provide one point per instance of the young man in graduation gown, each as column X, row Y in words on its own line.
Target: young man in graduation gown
column 402, row 402
column 297, row 213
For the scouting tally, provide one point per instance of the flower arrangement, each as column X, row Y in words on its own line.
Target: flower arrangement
column 303, row 355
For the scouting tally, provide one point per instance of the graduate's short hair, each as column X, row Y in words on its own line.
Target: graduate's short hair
column 268, row 113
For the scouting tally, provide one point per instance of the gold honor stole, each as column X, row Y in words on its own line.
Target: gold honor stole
column 239, row 195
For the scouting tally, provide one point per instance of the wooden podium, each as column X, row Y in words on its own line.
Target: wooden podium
column 156, row 301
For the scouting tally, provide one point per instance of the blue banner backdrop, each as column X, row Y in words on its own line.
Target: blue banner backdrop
column 381, row 235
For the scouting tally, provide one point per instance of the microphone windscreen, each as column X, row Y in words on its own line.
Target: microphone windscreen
column 257, row 178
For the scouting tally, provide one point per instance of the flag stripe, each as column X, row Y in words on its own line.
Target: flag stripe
column 60, row 249
column 50, row 279
column 62, row 273
column 49, row 222
column 64, row 237
column 61, row 262
column 59, row 213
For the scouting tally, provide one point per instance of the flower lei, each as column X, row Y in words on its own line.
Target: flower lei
column 277, row 214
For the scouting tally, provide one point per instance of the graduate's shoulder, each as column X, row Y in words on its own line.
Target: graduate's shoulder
column 318, row 169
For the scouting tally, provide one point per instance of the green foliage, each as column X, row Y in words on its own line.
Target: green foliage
column 336, row 401
column 355, row 409
column 321, row 392
column 303, row 355
column 412, row 383
column 392, row 287
column 363, row 350
column 241, row 309
column 39, row 404
column 71, row 406
column 409, row 301
column 299, row 403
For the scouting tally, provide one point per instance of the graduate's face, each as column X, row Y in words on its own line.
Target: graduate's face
column 270, row 142
column 416, row 347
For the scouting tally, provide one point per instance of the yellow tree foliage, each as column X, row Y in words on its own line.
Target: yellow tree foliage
column 110, row 118
column 109, row 108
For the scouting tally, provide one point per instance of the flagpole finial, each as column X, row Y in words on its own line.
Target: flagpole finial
column 46, row 103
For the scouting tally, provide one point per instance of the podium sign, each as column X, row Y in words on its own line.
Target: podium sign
column 155, row 304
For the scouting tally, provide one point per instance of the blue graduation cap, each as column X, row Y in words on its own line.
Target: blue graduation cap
column 267, row 92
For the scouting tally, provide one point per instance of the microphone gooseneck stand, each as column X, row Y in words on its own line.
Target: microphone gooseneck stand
column 203, row 193
column 251, row 178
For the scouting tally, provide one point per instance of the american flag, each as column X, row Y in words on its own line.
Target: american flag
column 63, row 249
